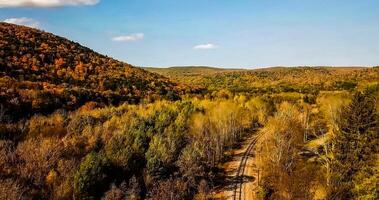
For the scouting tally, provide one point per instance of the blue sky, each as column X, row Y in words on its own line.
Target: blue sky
column 225, row 33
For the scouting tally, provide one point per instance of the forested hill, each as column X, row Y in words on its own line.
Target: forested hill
column 41, row 72
column 274, row 80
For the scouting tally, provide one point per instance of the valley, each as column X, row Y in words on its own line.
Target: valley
column 75, row 124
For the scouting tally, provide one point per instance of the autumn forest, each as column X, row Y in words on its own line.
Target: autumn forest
column 75, row 124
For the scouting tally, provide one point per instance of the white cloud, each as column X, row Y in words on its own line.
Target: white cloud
column 45, row 3
column 205, row 46
column 129, row 38
column 23, row 21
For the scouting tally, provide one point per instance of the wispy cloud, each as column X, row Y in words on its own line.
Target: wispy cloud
column 46, row 3
column 205, row 46
column 23, row 21
column 129, row 38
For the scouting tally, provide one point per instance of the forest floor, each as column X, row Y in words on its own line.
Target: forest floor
column 240, row 174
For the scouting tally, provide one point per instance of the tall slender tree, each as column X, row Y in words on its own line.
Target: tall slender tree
column 355, row 145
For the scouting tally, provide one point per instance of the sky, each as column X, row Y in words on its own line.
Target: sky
column 220, row 33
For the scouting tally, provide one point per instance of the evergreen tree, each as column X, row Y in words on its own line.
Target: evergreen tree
column 355, row 145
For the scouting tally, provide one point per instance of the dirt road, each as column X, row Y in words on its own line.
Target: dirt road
column 240, row 174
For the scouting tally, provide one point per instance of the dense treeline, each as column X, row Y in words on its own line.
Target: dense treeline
column 41, row 72
column 173, row 150
column 328, row 150
column 310, row 80
column 155, row 150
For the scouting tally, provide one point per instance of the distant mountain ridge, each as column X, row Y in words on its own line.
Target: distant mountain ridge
column 41, row 72
column 273, row 79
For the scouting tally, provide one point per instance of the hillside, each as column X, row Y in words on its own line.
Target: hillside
column 184, row 71
column 277, row 79
column 41, row 72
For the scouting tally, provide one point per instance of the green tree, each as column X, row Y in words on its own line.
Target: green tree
column 355, row 146
column 92, row 178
